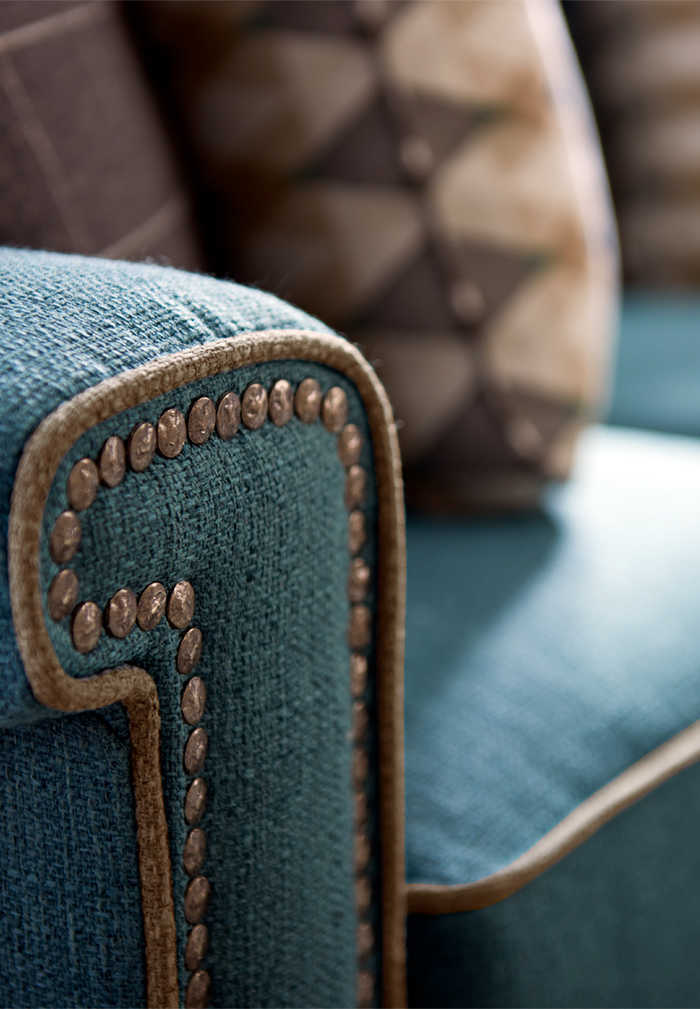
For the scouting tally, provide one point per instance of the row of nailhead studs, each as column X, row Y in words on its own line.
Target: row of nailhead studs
column 198, row 889
column 169, row 436
column 359, row 636
column 123, row 610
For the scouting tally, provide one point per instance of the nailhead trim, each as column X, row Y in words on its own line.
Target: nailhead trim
column 171, row 432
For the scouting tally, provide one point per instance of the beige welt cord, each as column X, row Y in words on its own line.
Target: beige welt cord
column 53, row 687
column 630, row 786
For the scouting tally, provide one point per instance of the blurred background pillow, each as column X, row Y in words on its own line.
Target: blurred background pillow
column 425, row 177
column 422, row 175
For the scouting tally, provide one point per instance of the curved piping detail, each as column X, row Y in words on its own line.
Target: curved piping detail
column 132, row 686
column 636, row 781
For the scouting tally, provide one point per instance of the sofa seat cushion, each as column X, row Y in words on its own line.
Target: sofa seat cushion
column 658, row 362
column 548, row 653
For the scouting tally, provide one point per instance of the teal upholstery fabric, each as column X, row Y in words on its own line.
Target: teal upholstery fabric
column 658, row 364
column 614, row 924
column 69, row 881
column 259, row 527
column 68, row 322
column 546, row 653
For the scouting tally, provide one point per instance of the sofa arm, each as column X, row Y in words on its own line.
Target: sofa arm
column 206, row 581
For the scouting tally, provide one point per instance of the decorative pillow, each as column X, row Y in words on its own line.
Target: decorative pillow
column 641, row 62
column 85, row 164
column 424, row 176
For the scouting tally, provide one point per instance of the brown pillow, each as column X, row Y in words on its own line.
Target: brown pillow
column 85, row 164
column 642, row 61
column 425, row 177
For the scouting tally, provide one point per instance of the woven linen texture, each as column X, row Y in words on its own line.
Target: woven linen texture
column 66, row 323
column 258, row 525
column 70, row 931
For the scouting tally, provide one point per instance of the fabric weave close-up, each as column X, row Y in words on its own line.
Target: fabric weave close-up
column 217, row 219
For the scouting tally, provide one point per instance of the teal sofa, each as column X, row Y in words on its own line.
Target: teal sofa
column 201, row 714
column 552, row 697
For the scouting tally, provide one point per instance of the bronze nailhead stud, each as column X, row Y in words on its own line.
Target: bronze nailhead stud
column 196, row 947
column 365, row 938
column 358, row 580
column 151, row 606
column 63, row 594
column 228, row 416
column 196, row 751
column 307, row 401
column 189, row 651
column 194, row 697
column 356, row 531
column 363, row 894
column 65, row 537
column 281, row 405
column 360, row 720
column 360, row 626
column 87, row 627
column 360, row 808
column 201, row 420
column 181, row 605
column 120, row 616
column 83, row 481
column 197, row 899
column 194, row 853
column 112, row 462
column 197, row 994
column 360, row 768
column 172, row 433
column 195, row 801
column 358, row 674
column 350, row 445
column 361, row 852
column 142, row 446
column 335, row 409
column 254, row 406
column 365, row 989
column 355, row 482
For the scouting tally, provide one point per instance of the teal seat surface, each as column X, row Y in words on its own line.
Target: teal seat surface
column 658, row 364
column 545, row 654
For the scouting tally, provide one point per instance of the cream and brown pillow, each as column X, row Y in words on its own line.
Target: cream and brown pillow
column 425, row 177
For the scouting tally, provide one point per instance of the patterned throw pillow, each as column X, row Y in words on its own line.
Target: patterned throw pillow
column 425, row 177
column 642, row 62
column 85, row 164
